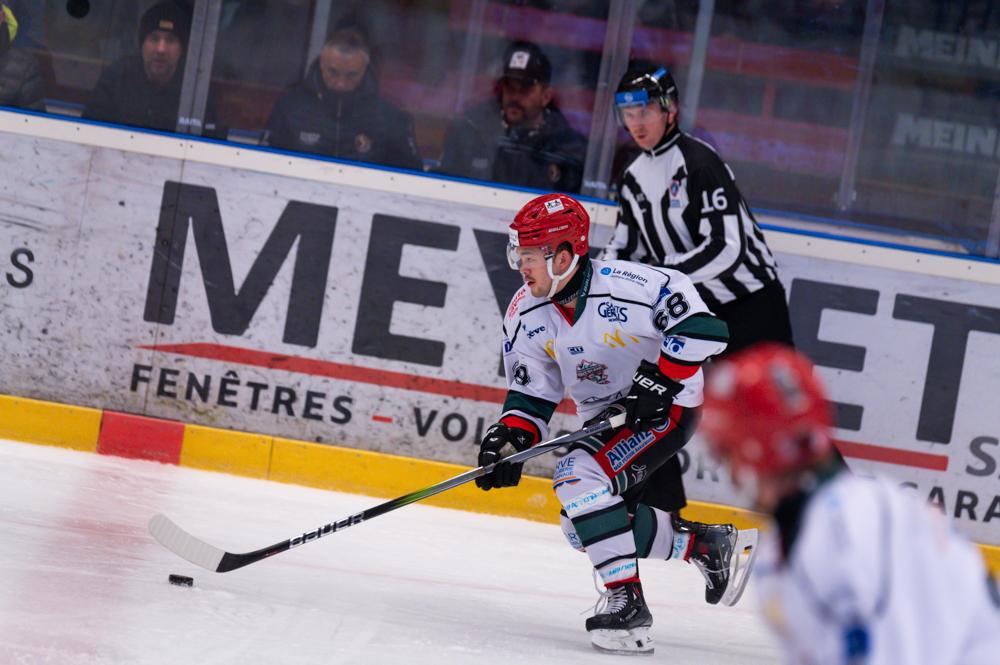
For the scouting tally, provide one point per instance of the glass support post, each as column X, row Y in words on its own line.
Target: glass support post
column 317, row 37
column 874, row 14
column 696, row 71
column 993, row 235
column 198, row 66
column 603, row 129
column 470, row 53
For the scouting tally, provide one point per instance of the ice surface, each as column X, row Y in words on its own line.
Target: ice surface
column 82, row 582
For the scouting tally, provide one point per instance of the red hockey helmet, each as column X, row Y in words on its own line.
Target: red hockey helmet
column 765, row 410
column 546, row 222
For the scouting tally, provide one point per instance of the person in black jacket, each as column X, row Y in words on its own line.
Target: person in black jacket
column 336, row 109
column 20, row 80
column 520, row 137
column 144, row 89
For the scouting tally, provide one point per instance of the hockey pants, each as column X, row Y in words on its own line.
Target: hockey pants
column 603, row 478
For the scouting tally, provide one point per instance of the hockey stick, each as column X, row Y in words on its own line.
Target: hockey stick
column 200, row 553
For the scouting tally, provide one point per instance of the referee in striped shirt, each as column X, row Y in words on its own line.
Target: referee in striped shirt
column 680, row 208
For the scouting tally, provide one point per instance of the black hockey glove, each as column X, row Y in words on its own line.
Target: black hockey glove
column 648, row 402
column 498, row 437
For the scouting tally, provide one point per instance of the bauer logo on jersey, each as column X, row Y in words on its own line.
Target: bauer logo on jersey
column 555, row 205
column 612, row 312
column 521, row 377
column 588, row 370
column 628, row 449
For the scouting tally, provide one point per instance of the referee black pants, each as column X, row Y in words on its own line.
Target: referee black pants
column 761, row 316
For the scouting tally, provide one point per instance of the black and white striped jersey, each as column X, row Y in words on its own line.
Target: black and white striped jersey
column 680, row 208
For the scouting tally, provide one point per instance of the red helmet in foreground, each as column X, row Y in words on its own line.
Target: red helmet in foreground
column 548, row 221
column 766, row 411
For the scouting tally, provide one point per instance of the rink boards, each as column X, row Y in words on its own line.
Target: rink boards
column 310, row 300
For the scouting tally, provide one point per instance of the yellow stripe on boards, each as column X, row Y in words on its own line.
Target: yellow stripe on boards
column 227, row 451
column 49, row 423
column 391, row 476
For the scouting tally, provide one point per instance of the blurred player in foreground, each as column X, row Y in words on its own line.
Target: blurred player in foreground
column 619, row 337
column 855, row 570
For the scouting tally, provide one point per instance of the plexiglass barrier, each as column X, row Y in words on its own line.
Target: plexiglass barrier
column 857, row 114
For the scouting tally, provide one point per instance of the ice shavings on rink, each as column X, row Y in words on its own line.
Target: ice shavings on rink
column 84, row 583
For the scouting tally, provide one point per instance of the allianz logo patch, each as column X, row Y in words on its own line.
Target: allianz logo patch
column 625, row 450
column 575, row 350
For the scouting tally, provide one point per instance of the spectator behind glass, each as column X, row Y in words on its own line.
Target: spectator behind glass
column 144, row 89
column 336, row 109
column 20, row 80
column 520, row 137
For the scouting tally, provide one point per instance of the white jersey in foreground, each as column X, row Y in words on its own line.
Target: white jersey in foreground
column 625, row 313
column 874, row 577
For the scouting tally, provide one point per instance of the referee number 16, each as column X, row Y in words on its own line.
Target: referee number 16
column 718, row 201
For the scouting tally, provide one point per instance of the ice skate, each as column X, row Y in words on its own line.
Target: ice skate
column 622, row 627
column 724, row 556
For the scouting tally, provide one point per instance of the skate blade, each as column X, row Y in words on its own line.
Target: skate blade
column 740, row 566
column 635, row 642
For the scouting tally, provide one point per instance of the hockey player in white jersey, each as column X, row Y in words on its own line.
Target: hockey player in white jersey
column 855, row 570
column 614, row 335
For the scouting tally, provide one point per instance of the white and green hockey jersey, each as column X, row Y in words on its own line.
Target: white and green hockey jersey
column 625, row 313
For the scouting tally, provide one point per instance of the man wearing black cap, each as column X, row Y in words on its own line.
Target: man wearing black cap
column 144, row 89
column 520, row 137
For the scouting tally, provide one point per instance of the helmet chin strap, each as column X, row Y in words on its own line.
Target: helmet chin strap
column 558, row 278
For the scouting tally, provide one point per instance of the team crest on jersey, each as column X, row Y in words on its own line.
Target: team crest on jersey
column 588, row 370
column 521, row 377
column 612, row 312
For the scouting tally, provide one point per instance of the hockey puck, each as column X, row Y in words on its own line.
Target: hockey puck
column 181, row 580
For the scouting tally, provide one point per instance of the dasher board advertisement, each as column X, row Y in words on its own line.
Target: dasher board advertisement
column 312, row 308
